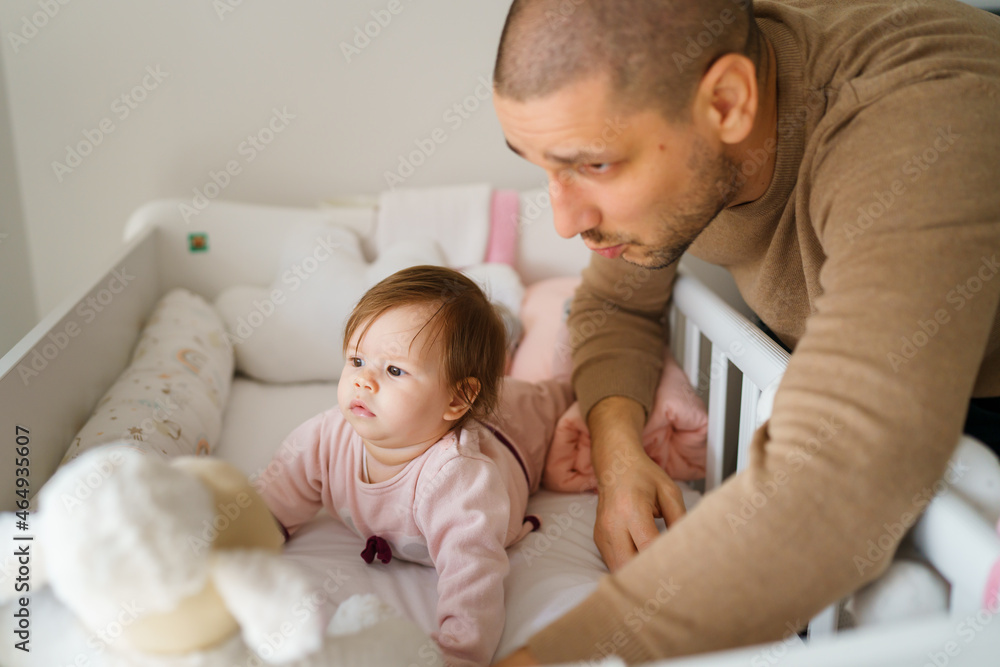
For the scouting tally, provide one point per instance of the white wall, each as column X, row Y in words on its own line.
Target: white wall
column 222, row 75
column 72, row 69
column 17, row 294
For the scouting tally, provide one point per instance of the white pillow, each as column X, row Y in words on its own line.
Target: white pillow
column 293, row 330
column 169, row 400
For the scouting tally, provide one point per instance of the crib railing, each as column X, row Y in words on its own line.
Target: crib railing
column 732, row 339
column 962, row 546
column 739, row 367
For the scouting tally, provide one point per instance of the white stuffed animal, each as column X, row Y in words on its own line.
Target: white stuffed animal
column 177, row 563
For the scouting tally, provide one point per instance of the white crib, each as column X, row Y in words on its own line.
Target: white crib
column 954, row 537
column 51, row 380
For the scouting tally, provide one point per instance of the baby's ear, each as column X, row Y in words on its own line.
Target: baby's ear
column 462, row 398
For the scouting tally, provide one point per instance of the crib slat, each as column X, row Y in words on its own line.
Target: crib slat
column 960, row 543
column 748, row 421
column 718, row 385
column 692, row 351
column 826, row 622
column 673, row 316
column 748, row 347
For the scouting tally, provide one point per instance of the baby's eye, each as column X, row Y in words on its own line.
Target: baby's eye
column 395, row 371
column 356, row 362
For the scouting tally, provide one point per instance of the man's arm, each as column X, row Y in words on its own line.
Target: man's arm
column 869, row 409
column 617, row 332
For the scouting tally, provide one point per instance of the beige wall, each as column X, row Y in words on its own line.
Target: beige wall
column 17, row 294
column 169, row 92
column 162, row 95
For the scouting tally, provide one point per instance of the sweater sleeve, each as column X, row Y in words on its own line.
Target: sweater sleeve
column 617, row 332
column 463, row 511
column 293, row 482
column 869, row 410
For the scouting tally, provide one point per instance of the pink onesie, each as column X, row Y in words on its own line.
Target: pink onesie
column 455, row 507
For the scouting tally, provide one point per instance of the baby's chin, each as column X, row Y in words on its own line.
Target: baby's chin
column 360, row 426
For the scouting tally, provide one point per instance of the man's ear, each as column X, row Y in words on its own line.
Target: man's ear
column 727, row 97
column 462, row 398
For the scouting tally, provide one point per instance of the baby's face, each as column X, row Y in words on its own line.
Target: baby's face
column 393, row 390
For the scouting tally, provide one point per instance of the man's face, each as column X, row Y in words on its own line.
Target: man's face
column 635, row 186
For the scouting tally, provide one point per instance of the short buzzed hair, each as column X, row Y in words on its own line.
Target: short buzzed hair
column 655, row 51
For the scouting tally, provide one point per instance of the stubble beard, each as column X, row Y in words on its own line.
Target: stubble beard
column 714, row 184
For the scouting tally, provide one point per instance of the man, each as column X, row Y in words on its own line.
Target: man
column 841, row 160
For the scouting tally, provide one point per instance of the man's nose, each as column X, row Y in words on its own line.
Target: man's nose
column 572, row 213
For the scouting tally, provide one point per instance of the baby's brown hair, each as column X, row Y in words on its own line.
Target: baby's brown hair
column 473, row 335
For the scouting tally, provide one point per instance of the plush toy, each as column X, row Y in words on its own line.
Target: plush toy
column 171, row 563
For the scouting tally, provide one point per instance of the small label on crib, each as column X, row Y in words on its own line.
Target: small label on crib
column 198, row 242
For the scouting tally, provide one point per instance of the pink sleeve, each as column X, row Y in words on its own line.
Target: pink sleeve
column 527, row 416
column 463, row 512
column 293, row 482
column 568, row 466
column 676, row 433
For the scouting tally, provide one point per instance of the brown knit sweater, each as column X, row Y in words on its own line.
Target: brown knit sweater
column 874, row 254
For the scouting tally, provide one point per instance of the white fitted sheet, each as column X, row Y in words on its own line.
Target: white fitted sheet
column 551, row 570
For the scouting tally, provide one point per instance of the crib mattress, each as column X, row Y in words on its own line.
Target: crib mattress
column 552, row 569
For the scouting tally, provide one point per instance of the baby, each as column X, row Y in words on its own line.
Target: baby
column 430, row 454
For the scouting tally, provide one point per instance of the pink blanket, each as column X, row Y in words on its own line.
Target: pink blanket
column 674, row 437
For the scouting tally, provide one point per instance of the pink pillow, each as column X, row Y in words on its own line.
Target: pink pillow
column 674, row 437
column 543, row 352
column 505, row 208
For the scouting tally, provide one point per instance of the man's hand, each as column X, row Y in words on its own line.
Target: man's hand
column 632, row 490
